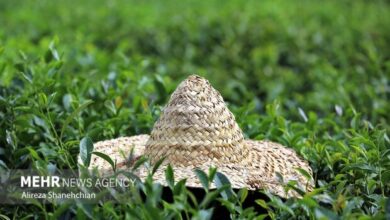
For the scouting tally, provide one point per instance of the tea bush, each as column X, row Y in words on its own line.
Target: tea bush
column 311, row 75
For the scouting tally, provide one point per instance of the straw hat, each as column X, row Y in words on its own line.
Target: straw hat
column 197, row 130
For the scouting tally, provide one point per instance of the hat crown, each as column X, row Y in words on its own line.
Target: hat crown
column 196, row 125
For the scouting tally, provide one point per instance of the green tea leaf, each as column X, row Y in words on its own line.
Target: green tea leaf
column 86, row 148
column 169, row 176
column 221, row 180
column 73, row 115
column 157, row 164
column 203, row 178
column 242, row 194
column 304, row 173
column 139, row 162
column 106, row 158
column 212, row 195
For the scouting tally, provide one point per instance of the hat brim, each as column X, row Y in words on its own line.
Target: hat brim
column 262, row 166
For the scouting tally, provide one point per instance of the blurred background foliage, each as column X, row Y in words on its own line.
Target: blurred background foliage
column 313, row 75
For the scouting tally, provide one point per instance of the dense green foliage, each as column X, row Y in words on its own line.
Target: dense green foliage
column 314, row 76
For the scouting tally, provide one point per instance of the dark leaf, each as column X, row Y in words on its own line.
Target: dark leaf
column 139, row 162
column 106, row 158
column 86, row 148
column 157, row 164
column 169, row 176
column 203, row 178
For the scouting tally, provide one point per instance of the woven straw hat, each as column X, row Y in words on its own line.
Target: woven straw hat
column 197, row 130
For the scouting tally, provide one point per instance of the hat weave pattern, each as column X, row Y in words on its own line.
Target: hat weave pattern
column 196, row 127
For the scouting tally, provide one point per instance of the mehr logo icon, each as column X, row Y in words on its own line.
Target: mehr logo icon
column 39, row 181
